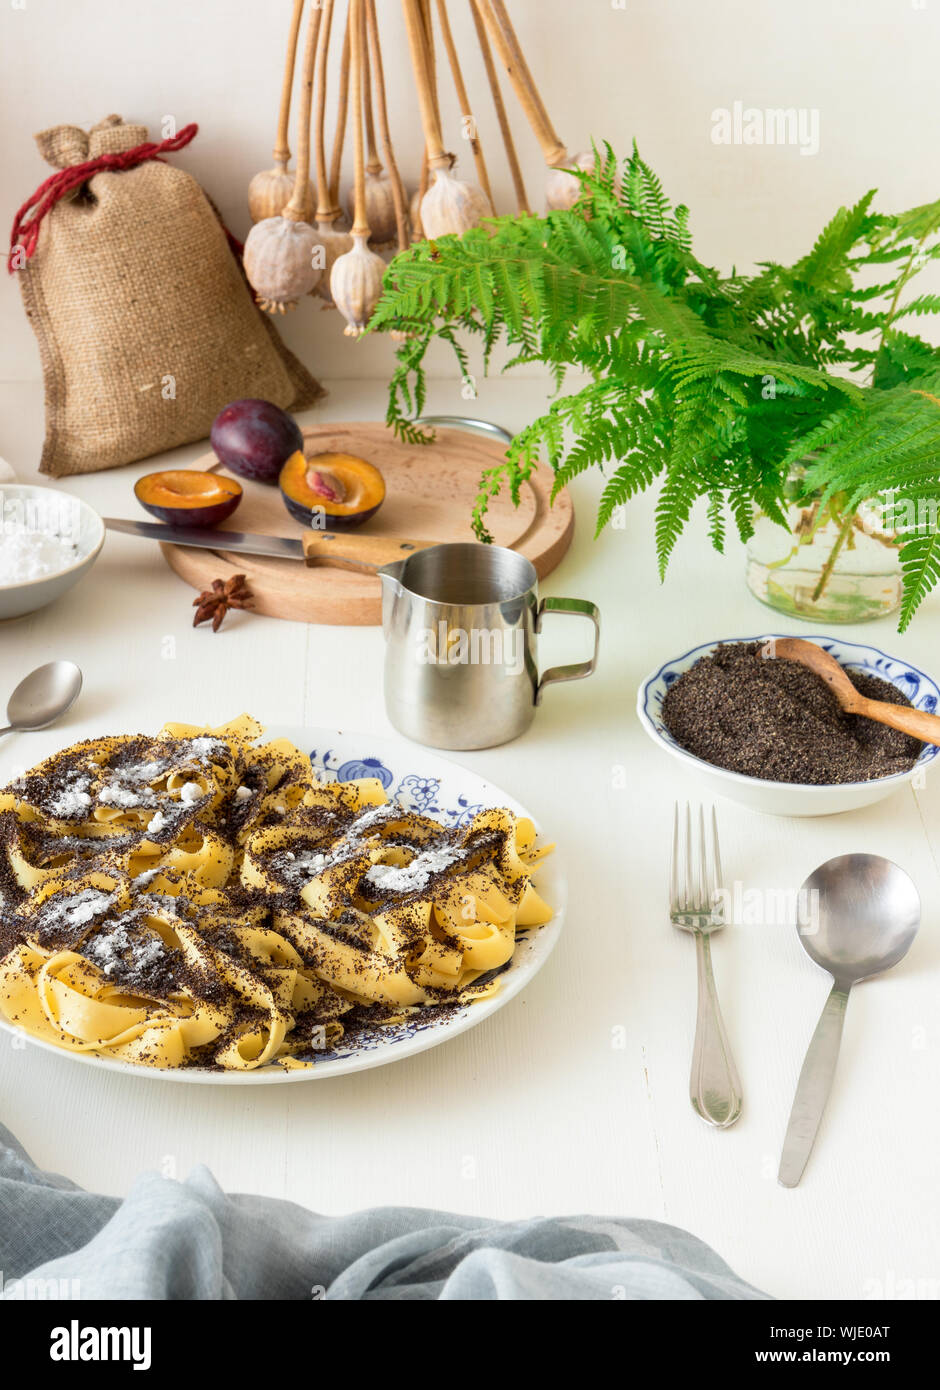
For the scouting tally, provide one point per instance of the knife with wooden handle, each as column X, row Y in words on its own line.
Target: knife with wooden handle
column 337, row 549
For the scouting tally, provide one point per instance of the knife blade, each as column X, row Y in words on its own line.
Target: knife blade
column 339, row 550
column 209, row 538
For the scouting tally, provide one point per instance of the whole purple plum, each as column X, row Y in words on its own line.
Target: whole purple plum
column 255, row 438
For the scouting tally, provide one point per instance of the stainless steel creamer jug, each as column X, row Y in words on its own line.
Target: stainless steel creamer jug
column 461, row 625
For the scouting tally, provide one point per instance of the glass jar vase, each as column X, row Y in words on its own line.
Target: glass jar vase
column 828, row 566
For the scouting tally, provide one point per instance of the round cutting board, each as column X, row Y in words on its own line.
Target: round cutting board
column 431, row 489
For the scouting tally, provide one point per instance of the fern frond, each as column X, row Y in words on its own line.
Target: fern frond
column 679, row 494
column 634, row 475
column 920, row 566
column 717, row 384
column 923, row 304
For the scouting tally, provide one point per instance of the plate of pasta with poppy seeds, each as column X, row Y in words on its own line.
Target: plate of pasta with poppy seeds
column 234, row 906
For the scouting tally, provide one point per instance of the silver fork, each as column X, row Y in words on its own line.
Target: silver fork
column 695, row 906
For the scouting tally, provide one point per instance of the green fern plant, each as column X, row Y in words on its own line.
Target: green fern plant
column 715, row 385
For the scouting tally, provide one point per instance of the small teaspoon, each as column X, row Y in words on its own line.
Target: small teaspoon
column 43, row 696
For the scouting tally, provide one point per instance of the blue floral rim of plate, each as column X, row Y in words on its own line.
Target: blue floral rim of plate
column 923, row 693
column 411, row 790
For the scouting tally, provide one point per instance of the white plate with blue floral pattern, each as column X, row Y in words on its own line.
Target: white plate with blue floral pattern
column 434, row 786
column 793, row 798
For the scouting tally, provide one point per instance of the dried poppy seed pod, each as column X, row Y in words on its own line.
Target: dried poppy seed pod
column 283, row 262
column 380, row 207
column 562, row 188
column 335, row 244
column 451, row 205
column 356, row 284
column 269, row 193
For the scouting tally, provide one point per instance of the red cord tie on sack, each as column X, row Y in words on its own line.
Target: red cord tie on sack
column 28, row 220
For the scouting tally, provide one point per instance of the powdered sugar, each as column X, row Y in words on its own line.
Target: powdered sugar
column 374, row 816
column 411, row 878
column 204, row 747
column 141, row 881
column 29, row 555
column 117, row 948
column 74, row 798
column 298, row 868
column 116, row 795
column 170, row 813
column 145, row 772
column 77, row 910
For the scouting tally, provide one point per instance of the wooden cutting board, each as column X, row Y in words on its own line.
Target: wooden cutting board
column 430, row 493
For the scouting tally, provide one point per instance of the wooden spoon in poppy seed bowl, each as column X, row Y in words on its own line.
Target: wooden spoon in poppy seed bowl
column 915, row 722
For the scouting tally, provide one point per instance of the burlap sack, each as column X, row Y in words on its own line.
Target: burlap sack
column 146, row 324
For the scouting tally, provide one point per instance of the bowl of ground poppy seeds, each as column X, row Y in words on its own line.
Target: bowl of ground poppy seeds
column 768, row 732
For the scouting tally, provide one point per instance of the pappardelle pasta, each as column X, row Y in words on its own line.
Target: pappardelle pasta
column 200, row 899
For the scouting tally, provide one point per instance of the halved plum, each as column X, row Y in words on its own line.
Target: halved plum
column 254, row 438
column 184, row 497
column 335, row 491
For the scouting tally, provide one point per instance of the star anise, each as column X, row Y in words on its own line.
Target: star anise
column 214, row 603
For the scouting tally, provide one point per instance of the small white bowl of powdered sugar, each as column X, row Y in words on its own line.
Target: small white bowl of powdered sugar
column 48, row 540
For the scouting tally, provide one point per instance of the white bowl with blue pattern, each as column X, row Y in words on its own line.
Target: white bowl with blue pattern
column 793, row 798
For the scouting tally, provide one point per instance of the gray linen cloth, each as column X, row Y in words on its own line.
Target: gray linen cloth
column 189, row 1240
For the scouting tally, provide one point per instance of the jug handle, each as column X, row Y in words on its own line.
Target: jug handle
column 366, row 554
column 578, row 608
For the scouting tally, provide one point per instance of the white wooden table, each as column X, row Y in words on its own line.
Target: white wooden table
column 574, row 1098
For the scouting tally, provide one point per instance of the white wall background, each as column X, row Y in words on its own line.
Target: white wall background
column 614, row 69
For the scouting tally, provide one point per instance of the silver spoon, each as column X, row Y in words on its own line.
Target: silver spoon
column 43, row 696
column 857, row 916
